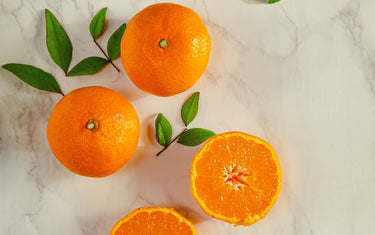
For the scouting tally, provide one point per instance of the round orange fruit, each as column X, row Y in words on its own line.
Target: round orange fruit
column 165, row 49
column 236, row 177
column 153, row 220
column 93, row 131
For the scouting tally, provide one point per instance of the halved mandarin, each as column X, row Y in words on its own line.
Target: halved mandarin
column 153, row 220
column 236, row 177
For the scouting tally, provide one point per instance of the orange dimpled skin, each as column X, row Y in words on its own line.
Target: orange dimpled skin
column 153, row 221
column 165, row 49
column 236, row 177
column 93, row 131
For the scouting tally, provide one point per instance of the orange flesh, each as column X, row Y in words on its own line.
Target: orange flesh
column 236, row 177
column 148, row 221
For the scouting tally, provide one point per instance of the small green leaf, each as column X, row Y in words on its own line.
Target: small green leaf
column 88, row 66
column 58, row 43
column 190, row 108
column 35, row 77
column 273, row 1
column 163, row 130
column 97, row 23
column 195, row 136
column 114, row 42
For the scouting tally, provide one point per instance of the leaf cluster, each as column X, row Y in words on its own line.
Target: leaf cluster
column 60, row 50
column 188, row 137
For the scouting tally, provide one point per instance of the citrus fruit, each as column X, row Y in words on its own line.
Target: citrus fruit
column 93, row 131
column 235, row 177
column 165, row 49
column 153, row 220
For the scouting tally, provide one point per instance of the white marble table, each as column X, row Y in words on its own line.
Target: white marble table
column 300, row 74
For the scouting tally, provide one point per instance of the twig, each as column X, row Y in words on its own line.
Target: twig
column 109, row 60
column 174, row 139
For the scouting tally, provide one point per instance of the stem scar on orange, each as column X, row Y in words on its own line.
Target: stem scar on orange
column 236, row 177
column 165, row 49
column 153, row 220
column 93, row 131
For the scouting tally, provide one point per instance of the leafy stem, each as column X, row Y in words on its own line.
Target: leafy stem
column 174, row 139
column 106, row 56
column 60, row 49
column 188, row 137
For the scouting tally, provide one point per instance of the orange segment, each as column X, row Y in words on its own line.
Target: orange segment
column 236, row 177
column 153, row 220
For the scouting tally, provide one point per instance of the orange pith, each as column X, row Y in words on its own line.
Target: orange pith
column 236, row 177
column 93, row 131
column 153, row 220
column 165, row 49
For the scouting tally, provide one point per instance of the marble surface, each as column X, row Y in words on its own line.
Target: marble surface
column 300, row 74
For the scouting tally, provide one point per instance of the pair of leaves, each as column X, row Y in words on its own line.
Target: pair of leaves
column 97, row 26
column 189, row 137
column 60, row 47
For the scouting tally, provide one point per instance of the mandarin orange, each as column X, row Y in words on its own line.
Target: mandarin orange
column 93, row 131
column 165, row 49
column 236, row 177
column 153, row 220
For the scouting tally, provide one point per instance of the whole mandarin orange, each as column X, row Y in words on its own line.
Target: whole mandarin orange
column 93, row 131
column 165, row 49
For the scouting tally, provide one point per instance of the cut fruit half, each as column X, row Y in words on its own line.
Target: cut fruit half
column 153, row 220
column 236, row 177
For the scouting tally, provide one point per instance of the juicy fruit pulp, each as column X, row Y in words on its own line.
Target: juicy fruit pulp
column 93, row 131
column 153, row 220
column 236, row 177
column 165, row 49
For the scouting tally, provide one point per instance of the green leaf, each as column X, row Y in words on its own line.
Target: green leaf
column 114, row 42
column 195, row 136
column 163, row 130
column 273, row 1
column 35, row 77
column 97, row 23
column 190, row 108
column 58, row 43
column 88, row 66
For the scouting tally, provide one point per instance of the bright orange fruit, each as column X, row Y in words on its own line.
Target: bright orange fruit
column 165, row 49
column 236, row 177
column 93, row 131
column 153, row 220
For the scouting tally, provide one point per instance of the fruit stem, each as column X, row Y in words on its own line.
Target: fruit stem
column 106, row 56
column 174, row 139
column 163, row 44
column 92, row 125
